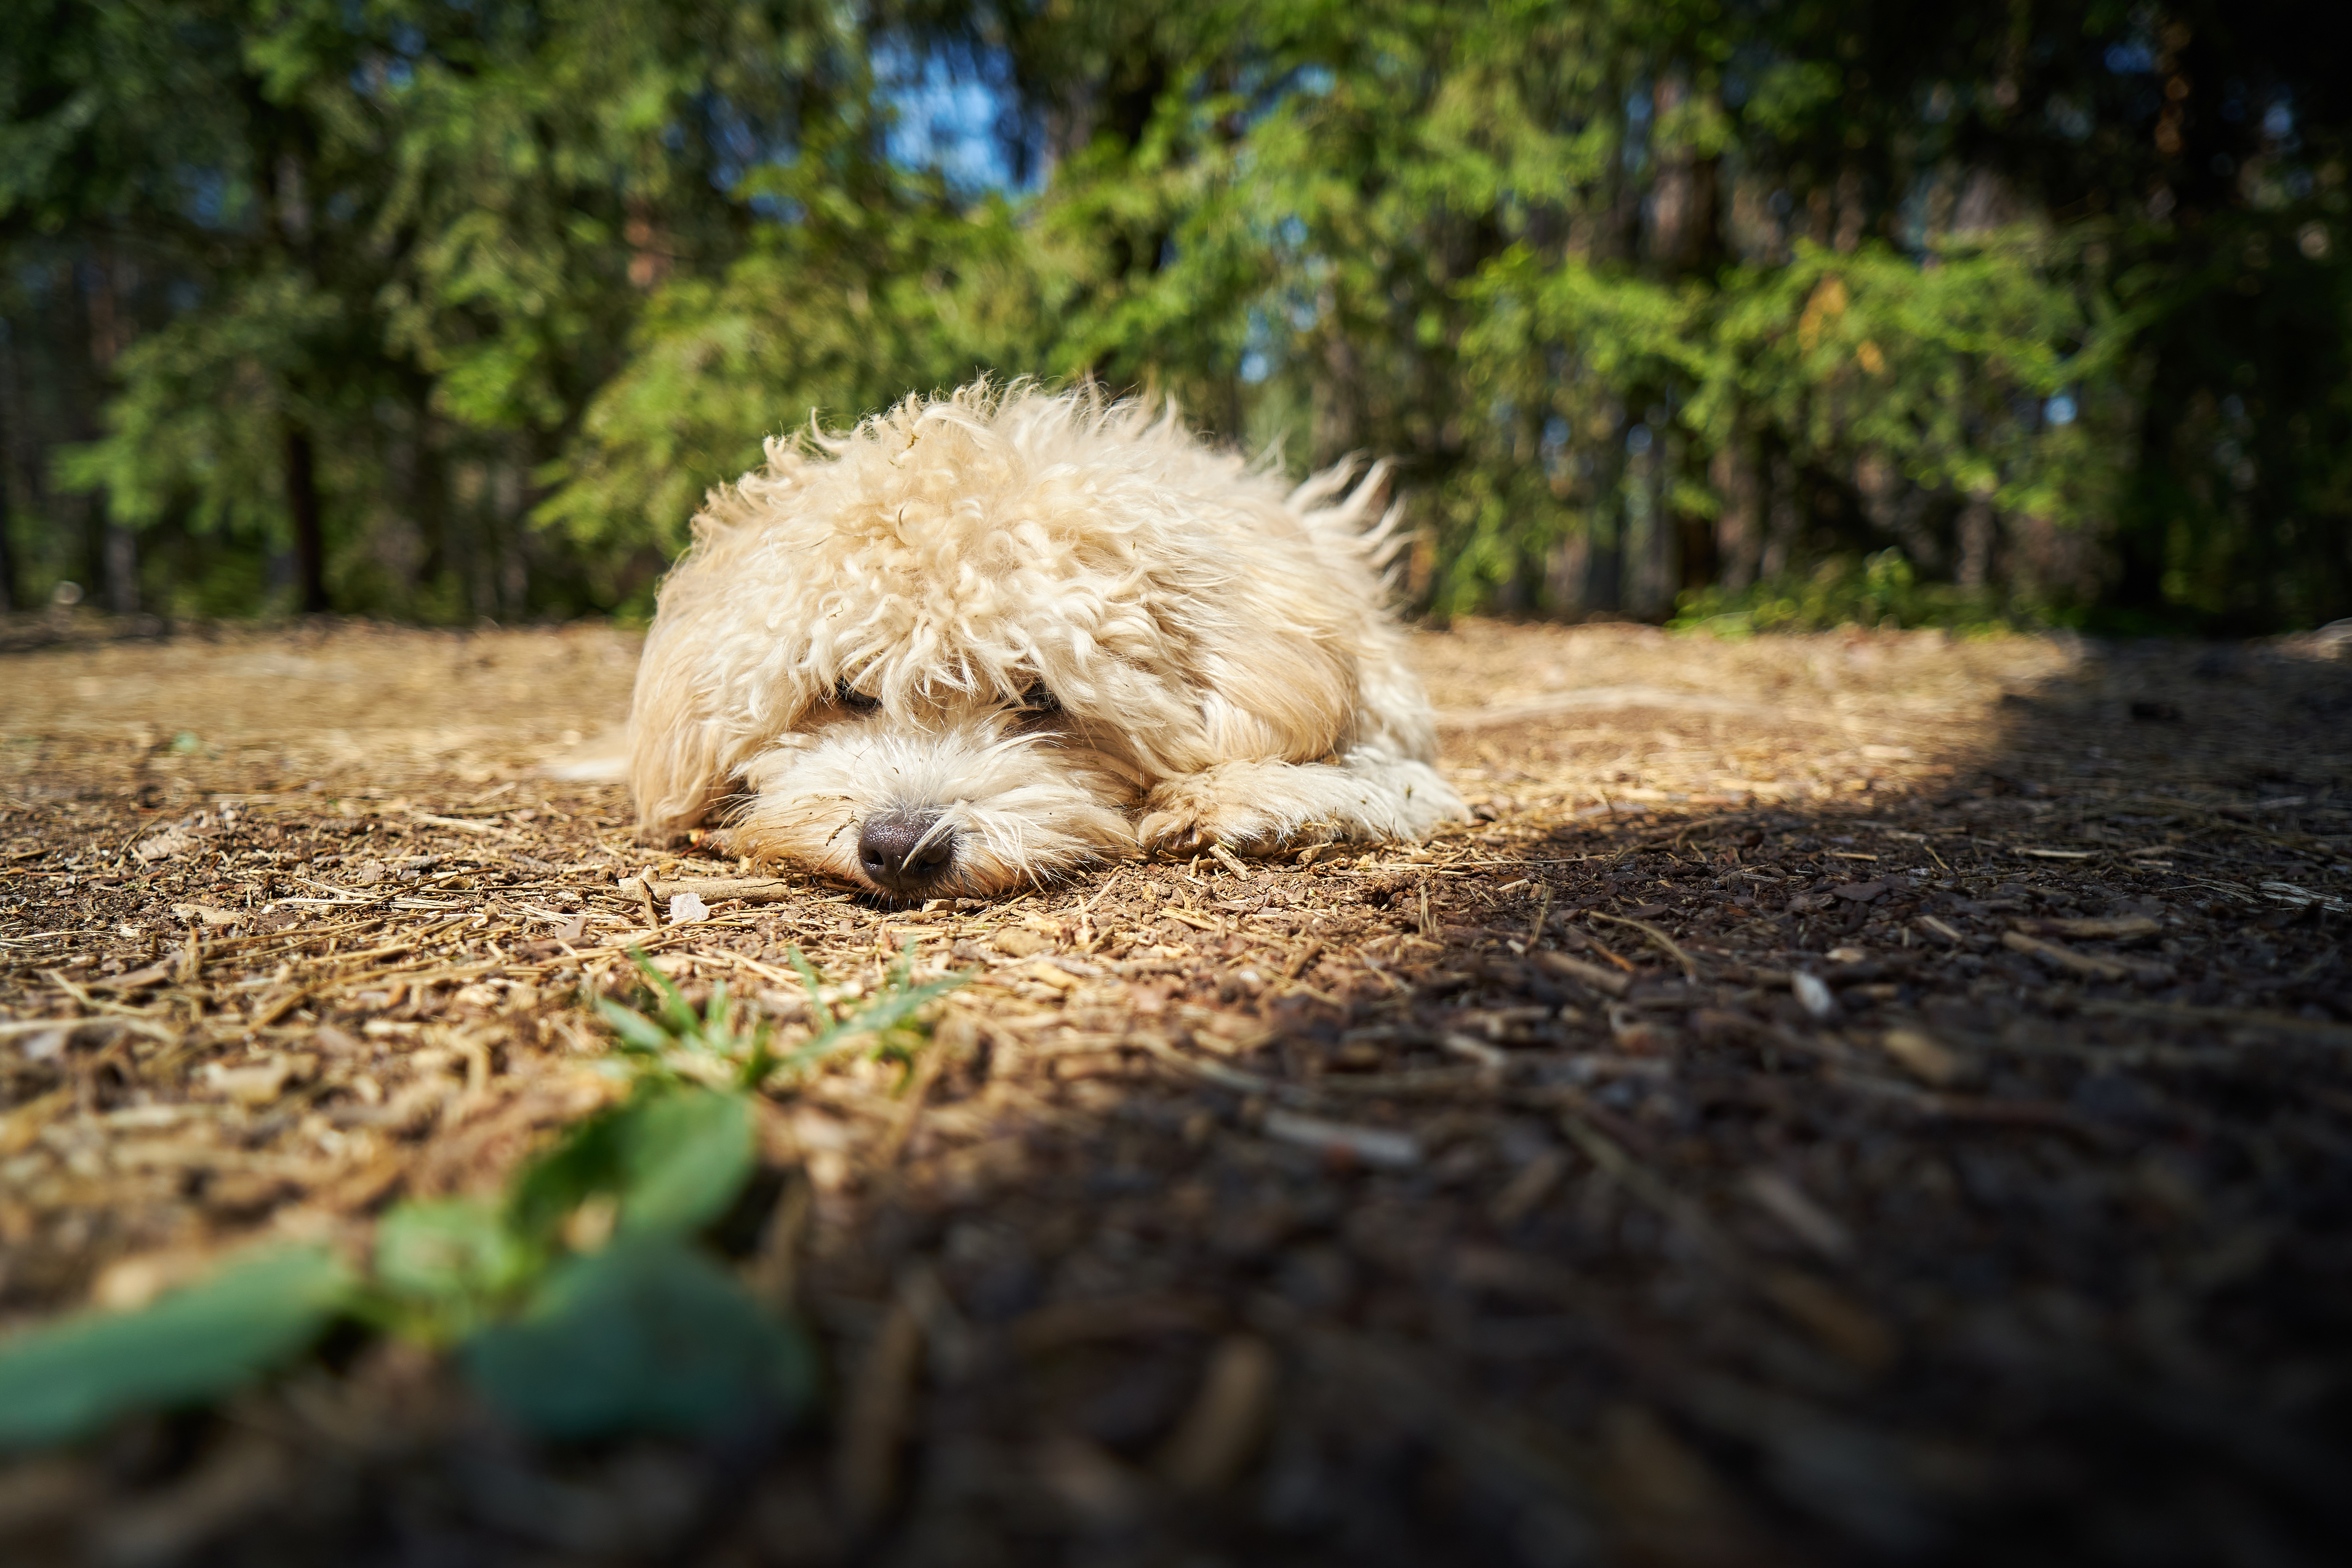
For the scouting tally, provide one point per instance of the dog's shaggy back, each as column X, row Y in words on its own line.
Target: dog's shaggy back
column 970, row 546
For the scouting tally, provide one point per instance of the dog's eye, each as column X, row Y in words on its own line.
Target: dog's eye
column 1037, row 701
column 856, row 701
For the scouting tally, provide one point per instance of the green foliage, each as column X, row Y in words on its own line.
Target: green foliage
column 578, row 1304
column 888, row 1020
column 1881, row 590
column 446, row 1267
column 647, row 1335
column 71, row 1377
column 1645, row 299
column 670, row 1162
column 674, row 1042
column 839, row 314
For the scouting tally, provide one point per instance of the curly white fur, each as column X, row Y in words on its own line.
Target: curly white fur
column 863, row 631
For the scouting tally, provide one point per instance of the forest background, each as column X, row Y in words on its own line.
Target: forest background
column 1742, row 311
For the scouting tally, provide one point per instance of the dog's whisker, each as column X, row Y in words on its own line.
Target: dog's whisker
column 939, row 825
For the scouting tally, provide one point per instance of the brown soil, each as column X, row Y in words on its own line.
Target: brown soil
column 1867, row 1097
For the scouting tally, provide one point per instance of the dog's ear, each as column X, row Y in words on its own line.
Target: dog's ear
column 674, row 770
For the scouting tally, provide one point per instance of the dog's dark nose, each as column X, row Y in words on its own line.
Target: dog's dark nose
column 906, row 851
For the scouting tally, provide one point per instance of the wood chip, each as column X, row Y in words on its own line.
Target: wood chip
column 1019, row 942
column 743, row 890
column 1929, row 922
column 1842, row 1325
column 1226, row 1419
column 1229, row 860
column 1608, row 982
column 1674, row 950
column 2066, row 957
column 1813, row 994
column 1922, row 1054
column 877, row 1415
column 1372, row 1145
column 2121, row 928
column 1786, row 1202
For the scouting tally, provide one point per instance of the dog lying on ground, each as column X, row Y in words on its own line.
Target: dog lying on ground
column 983, row 639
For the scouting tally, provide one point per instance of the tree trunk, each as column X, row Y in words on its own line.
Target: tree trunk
column 1339, row 392
column 302, row 512
column 428, row 505
column 1783, row 515
column 121, row 570
column 1975, row 541
column 1686, row 198
column 1604, row 582
column 1652, row 552
column 2150, row 501
column 117, row 552
column 26, row 476
column 1740, row 530
column 10, row 590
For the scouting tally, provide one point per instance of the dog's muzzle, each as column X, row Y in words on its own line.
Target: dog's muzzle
column 906, row 852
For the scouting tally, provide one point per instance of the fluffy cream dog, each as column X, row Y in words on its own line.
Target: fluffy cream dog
column 983, row 639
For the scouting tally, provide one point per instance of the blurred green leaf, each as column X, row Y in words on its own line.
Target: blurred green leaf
column 647, row 1335
column 452, row 1262
column 673, row 1157
column 65, row 1380
column 685, row 1156
column 637, row 1031
column 584, row 1161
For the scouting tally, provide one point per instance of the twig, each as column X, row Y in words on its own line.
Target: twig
column 2087, row 963
column 2290, row 840
column 279, row 1008
column 1968, row 1108
column 910, row 1110
column 1101, row 893
column 1609, row 982
column 2183, row 1013
column 874, row 1422
column 1690, row 964
column 1651, row 1188
column 1373, row 1145
column 752, row 965
column 460, row 823
column 748, row 889
column 774, row 1267
column 1543, row 912
column 1217, row 1436
column 1216, row 1073
column 1390, row 981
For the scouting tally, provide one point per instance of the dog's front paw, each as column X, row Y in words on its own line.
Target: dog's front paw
column 1183, row 817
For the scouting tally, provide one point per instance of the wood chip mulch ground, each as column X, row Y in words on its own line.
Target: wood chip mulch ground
column 1865, row 1098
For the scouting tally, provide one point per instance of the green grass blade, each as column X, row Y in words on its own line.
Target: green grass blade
column 637, row 1031
column 813, row 980
column 675, row 1009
